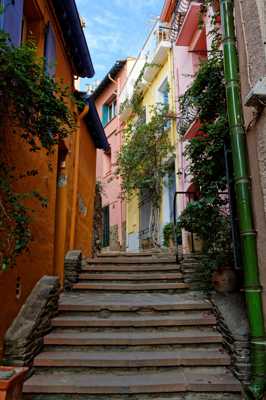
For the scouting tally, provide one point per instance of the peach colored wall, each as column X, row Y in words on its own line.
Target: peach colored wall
column 38, row 261
column 111, row 184
column 86, row 191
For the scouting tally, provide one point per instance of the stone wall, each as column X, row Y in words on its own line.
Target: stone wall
column 24, row 338
column 230, row 311
column 73, row 261
column 193, row 272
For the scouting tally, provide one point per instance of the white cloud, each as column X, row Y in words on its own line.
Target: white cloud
column 136, row 5
column 111, row 42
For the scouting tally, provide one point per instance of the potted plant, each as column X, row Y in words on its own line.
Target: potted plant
column 11, row 382
column 171, row 235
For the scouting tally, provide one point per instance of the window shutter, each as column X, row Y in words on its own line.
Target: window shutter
column 105, row 114
column 12, row 19
column 50, row 51
column 1, row 14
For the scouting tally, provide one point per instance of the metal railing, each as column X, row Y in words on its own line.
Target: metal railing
column 186, row 118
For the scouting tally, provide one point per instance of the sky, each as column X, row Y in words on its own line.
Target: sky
column 116, row 29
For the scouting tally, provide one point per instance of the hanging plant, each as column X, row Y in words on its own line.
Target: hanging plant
column 34, row 107
column 207, row 217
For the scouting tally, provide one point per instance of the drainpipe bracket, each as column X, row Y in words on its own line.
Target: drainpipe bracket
column 255, row 391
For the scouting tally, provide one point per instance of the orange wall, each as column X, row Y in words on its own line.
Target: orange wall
column 38, row 262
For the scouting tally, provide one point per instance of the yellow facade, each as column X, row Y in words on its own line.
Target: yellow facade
column 151, row 97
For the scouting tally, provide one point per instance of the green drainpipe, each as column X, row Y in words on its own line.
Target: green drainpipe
column 253, row 290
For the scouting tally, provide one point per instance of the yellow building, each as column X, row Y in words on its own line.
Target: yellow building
column 157, row 84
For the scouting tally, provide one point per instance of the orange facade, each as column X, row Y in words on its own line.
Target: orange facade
column 51, row 233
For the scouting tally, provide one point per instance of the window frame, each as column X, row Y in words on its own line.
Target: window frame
column 109, row 110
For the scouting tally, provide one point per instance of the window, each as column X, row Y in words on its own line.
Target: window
column 11, row 20
column 109, row 111
column 49, row 51
column 1, row 14
column 164, row 93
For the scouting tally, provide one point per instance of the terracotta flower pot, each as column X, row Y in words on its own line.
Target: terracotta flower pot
column 224, row 280
column 11, row 382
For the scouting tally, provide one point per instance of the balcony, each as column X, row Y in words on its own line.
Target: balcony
column 187, row 122
column 159, row 53
column 190, row 33
column 126, row 109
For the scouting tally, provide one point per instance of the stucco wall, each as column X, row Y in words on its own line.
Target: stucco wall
column 86, row 192
column 250, row 33
column 17, row 283
column 106, row 167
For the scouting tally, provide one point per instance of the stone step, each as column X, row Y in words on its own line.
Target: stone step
column 173, row 381
column 131, row 268
column 198, row 319
column 147, row 253
column 131, row 302
column 142, row 396
column 131, row 338
column 132, row 359
column 132, row 260
column 130, row 287
column 151, row 276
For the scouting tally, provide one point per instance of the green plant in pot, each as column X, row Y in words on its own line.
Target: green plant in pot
column 206, row 219
column 171, row 235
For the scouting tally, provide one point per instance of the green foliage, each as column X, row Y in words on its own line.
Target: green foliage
column 135, row 102
column 171, row 232
column 34, row 107
column 205, row 153
column 142, row 159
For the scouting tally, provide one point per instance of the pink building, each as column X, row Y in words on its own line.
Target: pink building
column 191, row 45
column 106, row 98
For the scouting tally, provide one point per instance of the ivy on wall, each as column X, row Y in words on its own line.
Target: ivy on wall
column 208, row 216
column 33, row 106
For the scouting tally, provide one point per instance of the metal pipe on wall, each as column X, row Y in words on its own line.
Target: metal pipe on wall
column 253, row 290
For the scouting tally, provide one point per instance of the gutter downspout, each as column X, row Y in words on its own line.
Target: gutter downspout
column 253, row 290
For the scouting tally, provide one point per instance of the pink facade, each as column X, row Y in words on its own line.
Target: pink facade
column 107, row 103
column 190, row 49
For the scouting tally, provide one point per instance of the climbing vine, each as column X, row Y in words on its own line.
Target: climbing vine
column 145, row 155
column 33, row 107
column 208, row 214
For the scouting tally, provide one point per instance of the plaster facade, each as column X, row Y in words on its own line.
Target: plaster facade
column 17, row 283
column 157, row 54
column 106, row 162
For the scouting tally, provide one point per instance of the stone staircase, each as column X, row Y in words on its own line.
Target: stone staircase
column 132, row 329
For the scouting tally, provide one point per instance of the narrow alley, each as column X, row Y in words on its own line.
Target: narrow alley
column 132, row 200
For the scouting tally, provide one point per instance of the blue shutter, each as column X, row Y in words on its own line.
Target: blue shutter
column 1, row 14
column 12, row 19
column 105, row 114
column 50, row 51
